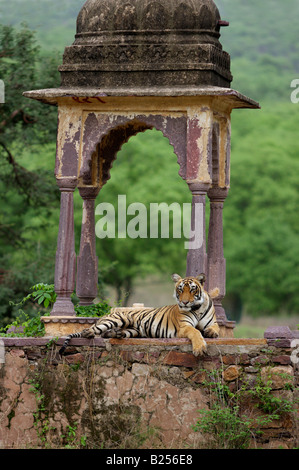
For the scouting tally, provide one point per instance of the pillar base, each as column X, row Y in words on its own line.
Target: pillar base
column 66, row 325
column 63, row 308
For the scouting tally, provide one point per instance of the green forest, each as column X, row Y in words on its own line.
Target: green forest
column 261, row 224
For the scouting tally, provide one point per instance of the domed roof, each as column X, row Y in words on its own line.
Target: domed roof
column 144, row 43
column 147, row 15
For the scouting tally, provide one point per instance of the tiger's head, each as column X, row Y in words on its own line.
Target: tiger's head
column 189, row 291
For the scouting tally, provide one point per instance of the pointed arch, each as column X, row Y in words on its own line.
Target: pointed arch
column 104, row 134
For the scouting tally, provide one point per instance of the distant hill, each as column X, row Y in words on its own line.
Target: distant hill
column 53, row 20
column 256, row 27
column 262, row 27
column 263, row 41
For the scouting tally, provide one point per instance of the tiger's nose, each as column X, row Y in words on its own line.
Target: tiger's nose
column 185, row 302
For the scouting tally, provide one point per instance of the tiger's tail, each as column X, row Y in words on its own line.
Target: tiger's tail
column 66, row 343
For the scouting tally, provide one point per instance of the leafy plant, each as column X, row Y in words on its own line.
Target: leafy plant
column 225, row 427
column 95, row 310
column 24, row 326
column 43, row 294
column 271, row 404
column 226, row 424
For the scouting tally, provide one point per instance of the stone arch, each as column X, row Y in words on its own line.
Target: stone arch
column 104, row 135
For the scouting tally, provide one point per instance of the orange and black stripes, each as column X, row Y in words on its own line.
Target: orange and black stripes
column 194, row 312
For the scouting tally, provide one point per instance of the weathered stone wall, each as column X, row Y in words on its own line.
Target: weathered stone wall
column 136, row 393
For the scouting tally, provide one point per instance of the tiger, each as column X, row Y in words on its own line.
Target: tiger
column 193, row 314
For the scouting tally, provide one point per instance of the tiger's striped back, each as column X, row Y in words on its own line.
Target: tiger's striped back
column 150, row 323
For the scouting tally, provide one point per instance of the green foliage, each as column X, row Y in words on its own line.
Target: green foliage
column 43, row 295
column 95, row 310
column 276, row 406
column 262, row 40
column 71, row 439
column 225, row 426
column 55, row 22
column 28, row 192
column 24, row 326
column 22, row 68
column 228, row 423
column 260, row 216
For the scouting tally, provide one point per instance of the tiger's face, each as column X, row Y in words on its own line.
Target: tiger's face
column 189, row 291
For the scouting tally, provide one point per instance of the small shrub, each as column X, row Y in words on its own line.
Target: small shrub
column 44, row 296
column 224, row 428
column 95, row 310
column 226, row 425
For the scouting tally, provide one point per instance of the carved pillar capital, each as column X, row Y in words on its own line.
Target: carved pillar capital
column 217, row 194
column 198, row 188
column 67, row 184
column 89, row 192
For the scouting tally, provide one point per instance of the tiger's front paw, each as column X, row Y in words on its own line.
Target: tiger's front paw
column 212, row 331
column 200, row 348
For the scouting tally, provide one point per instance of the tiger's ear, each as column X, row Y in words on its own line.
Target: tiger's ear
column 201, row 278
column 176, row 278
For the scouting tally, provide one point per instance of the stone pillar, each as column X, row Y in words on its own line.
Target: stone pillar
column 65, row 268
column 216, row 260
column 197, row 256
column 87, row 265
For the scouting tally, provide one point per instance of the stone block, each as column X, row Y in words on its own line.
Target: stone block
column 276, row 332
column 231, row 373
column 124, row 382
column 229, row 360
column 66, row 325
column 283, row 359
column 244, row 359
column 259, row 360
column 200, row 377
column 279, row 376
column 175, row 358
column 75, row 358
column 140, row 369
column 132, row 356
column 17, row 353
